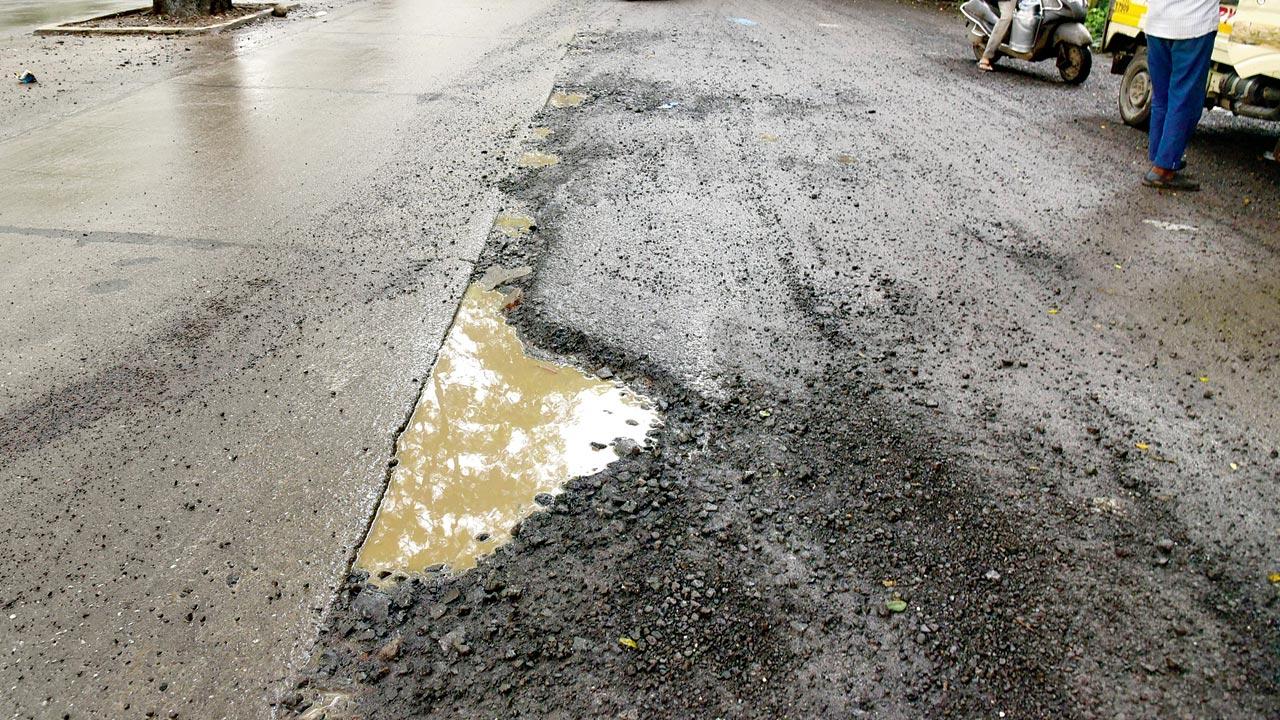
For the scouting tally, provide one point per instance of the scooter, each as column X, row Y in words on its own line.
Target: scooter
column 1040, row 31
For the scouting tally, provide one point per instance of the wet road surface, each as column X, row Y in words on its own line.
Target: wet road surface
column 224, row 281
column 963, row 423
column 22, row 15
column 959, row 420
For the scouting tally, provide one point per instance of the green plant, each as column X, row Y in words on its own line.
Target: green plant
column 1096, row 19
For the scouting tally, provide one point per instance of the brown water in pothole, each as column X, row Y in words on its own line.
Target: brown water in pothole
column 514, row 224
column 535, row 159
column 493, row 429
column 561, row 99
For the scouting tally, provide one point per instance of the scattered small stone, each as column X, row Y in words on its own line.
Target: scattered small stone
column 390, row 651
column 626, row 447
column 455, row 640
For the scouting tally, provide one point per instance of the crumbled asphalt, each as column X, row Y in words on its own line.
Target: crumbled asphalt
column 995, row 393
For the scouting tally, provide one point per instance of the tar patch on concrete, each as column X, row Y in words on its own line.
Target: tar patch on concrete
column 494, row 434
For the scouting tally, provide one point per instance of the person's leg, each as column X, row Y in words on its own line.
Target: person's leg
column 1159, row 68
column 1189, row 73
column 1001, row 30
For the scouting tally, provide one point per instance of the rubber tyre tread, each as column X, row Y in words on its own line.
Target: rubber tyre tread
column 1086, row 65
column 1139, row 118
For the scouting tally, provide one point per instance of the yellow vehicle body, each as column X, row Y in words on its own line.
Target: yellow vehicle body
column 1245, row 74
column 1248, row 33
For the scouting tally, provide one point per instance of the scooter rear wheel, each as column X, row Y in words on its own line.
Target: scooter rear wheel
column 1074, row 63
column 978, row 43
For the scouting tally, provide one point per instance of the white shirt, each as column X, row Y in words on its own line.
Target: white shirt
column 1181, row 19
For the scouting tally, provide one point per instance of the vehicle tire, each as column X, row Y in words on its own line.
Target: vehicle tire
column 1135, row 92
column 977, row 42
column 1074, row 63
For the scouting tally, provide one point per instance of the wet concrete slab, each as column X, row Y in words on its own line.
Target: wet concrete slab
column 25, row 15
column 215, row 323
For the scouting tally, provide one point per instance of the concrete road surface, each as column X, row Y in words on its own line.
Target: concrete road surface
column 959, row 419
column 223, row 284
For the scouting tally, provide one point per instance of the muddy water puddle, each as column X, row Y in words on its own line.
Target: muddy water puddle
column 535, row 159
column 494, row 429
column 563, row 99
column 514, row 224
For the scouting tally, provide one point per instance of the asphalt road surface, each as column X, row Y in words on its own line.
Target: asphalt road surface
column 960, row 420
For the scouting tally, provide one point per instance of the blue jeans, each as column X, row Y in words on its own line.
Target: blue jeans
column 1179, row 71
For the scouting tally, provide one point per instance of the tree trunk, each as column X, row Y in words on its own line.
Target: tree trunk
column 185, row 8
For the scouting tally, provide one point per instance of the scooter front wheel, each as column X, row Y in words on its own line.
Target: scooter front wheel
column 1074, row 63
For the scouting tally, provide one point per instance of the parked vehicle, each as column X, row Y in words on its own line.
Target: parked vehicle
column 1042, row 30
column 1243, row 78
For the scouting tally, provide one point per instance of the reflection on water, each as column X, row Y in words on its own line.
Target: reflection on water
column 493, row 429
column 31, row 14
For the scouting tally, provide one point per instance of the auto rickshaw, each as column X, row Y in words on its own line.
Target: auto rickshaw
column 1244, row 76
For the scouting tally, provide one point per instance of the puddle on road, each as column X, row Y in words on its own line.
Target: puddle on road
column 562, row 99
column 535, row 159
column 514, row 224
column 493, row 429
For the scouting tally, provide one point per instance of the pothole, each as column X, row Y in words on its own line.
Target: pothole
column 514, row 224
column 493, row 431
column 535, row 159
column 562, row 99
